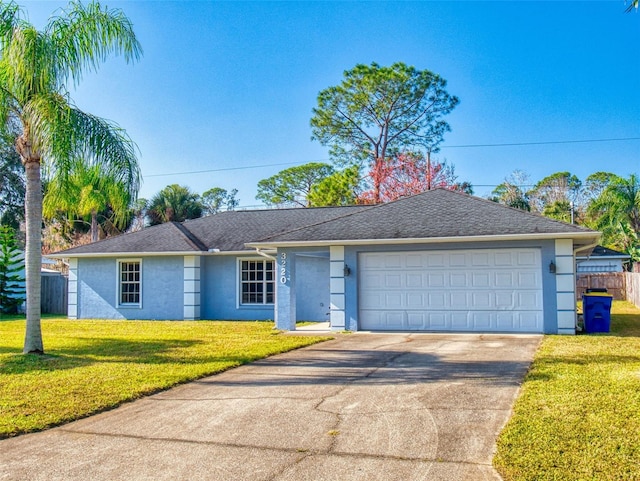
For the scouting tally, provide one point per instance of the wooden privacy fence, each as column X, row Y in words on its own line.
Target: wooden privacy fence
column 633, row 287
column 614, row 282
column 54, row 294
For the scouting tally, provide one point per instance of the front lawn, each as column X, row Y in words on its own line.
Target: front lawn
column 578, row 414
column 90, row 366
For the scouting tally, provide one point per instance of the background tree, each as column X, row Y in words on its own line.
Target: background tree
column 88, row 190
column 340, row 188
column 11, row 280
column 377, row 112
column 292, row 186
column 12, row 183
column 217, row 199
column 596, row 183
column 511, row 192
column 410, row 174
column 35, row 67
column 174, row 203
column 616, row 212
column 557, row 196
column 138, row 214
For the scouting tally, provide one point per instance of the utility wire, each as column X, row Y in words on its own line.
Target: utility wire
column 512, row 144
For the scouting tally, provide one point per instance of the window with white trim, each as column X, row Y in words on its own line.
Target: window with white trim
column 256, row 282
column 130, row 283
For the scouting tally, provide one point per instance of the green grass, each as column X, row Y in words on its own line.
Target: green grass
column 91, row 366
column 578, row 414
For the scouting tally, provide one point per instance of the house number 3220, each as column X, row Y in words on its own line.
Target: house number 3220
column 283, row 268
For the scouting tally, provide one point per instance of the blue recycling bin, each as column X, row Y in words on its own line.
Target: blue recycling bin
column 596, row 312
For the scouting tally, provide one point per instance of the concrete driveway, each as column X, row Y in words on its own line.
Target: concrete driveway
column 361, row 407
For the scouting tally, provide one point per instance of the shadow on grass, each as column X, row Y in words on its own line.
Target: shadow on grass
column 90, row 351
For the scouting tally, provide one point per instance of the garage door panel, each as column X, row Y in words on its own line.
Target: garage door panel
column 436, row 279
column 459, row 300
column 505, row 300
column 505, row 279
column 393, row 300
column 436, row 300
column 503, row 259
column 435, row 260
column 529, row 280
column 461, row 290
column 457, row 260
column 528, row 259
column 416, row 300
column 480, row 279
column 414, row 261
column 529, row 300
column 460, row 321
column 392, row 261
column 458, row 279
column 480, row 259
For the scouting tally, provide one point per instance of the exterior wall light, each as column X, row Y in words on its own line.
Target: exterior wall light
column 552, row 267
column 347, row 270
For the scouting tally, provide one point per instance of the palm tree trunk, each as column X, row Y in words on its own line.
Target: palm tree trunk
column 33, row 254
column 94, row 226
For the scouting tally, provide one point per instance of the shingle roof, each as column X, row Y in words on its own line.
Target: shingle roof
column 226, row 231
column 168, row 237
column 434, row 214
column 600, row 251
column 230, row 231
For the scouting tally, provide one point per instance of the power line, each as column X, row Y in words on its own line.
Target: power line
column 511, row 144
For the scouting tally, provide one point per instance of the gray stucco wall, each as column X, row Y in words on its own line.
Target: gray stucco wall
column 547, row 248
column 162, row 289
column 219, row 291
column 312, row 287
column 302, row 285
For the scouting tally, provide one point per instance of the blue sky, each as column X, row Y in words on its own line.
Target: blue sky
column 228, row 87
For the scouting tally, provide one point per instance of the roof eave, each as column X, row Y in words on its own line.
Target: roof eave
column 586, row 237
column 71, row 255
column 63, row 255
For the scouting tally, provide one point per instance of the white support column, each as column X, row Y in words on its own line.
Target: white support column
column 191, row 288
column 565, row 286
column 336, row 258
column 72, row 290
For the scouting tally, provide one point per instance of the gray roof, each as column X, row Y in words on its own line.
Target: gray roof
column 601, row 251
column 168, row 237
column 230, row 231
column 225, row 231
column 434, row 214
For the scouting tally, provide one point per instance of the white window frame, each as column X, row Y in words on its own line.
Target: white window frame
column 239, row 282
column 119, row 303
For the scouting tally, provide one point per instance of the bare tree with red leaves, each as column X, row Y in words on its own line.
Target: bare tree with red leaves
column 408, row 174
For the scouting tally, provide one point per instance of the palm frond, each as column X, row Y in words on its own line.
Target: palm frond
column 85, row 35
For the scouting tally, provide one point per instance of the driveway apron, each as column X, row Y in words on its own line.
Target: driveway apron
column 364, row 406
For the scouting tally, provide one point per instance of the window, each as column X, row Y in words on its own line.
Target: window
column 256, row 282
column 129, row 283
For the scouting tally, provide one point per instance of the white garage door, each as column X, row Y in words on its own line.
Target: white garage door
column 454, row 290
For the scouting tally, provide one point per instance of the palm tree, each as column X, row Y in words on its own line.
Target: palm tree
column 35, row 68
column 174, row 203
column 617, row 213
column 86, row 191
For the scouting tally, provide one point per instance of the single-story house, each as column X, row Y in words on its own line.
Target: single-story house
column 601, row 260
column 437, row 261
